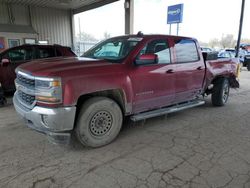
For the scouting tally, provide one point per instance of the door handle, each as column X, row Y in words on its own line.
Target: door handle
column 170, row 71
column 199, row 68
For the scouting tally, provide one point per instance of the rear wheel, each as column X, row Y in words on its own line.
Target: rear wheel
column 220, row 92
column 248, row 66
column 99, row 122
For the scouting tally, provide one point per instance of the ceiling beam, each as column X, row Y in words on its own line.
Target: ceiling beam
column 93, row 6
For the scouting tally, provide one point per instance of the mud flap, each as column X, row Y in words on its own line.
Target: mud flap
column 234, row 83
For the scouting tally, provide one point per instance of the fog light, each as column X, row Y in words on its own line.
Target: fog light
column 45, row 120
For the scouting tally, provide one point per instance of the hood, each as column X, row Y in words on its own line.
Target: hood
column 57, row 66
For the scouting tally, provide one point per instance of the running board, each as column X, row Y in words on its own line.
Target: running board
column 167, row 110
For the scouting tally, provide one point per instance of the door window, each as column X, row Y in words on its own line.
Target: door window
column 186, row 51
column 19, row 54
column 159, row 47
column 58, row 53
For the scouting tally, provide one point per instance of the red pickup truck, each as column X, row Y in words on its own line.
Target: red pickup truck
column 140, row 76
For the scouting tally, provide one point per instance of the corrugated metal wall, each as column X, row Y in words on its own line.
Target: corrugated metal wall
column 20, row 14
column 53, row 25
column 4, row 18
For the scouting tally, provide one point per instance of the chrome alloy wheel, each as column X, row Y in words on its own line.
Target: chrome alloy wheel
column 225, row 92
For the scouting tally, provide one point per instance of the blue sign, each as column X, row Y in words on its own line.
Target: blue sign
column 175, row 14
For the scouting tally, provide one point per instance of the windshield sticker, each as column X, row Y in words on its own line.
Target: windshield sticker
column 135, row 39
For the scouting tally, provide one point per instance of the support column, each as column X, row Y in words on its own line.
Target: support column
column 240, row 27
column 72, row 30
column 129, row 16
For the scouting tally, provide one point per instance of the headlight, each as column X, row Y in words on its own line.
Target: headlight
column 48, row 90
column 47, row 83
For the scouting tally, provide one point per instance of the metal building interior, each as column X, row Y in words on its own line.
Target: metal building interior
column 47, row 21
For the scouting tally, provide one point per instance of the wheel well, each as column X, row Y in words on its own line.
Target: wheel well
column 232, row 81
column 115, row 94
column 208, row 90
column 217, row 78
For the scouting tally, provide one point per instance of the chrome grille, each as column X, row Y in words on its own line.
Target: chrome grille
column 26, row 98
column 30, row 83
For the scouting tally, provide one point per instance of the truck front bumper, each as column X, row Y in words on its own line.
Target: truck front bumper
column 56, row 123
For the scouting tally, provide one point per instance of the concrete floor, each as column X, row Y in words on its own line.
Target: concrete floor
column 200, row 147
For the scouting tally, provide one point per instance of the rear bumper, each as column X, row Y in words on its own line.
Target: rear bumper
column 56, row 123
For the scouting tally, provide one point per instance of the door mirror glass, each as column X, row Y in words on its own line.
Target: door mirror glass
column 147, row 59
column 5, row 62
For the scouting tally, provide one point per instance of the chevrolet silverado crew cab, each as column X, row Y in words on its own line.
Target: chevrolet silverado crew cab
column 140, row 76
column 11, row 58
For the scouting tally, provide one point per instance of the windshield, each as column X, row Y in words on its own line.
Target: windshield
column 112, row 49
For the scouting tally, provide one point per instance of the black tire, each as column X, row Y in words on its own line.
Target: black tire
column 220, row 92
column 248, row 66
column 99, row 122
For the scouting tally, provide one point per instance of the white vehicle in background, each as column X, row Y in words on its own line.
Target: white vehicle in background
column 227, row 53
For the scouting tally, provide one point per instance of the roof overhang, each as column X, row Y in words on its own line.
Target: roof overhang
column 76, row 6
column 11, row 28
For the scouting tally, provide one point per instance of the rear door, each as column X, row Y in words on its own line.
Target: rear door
column 16, row 56
column 153, row 85
column 190, row 69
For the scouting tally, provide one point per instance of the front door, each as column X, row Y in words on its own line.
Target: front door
column 153, row 85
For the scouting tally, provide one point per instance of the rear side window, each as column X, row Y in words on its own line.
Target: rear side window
column 45, row 53
column 64, row 51
column 186, row 51
column 58, row 52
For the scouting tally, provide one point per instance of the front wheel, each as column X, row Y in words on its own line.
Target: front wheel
column 99, row 122
column 220, row 92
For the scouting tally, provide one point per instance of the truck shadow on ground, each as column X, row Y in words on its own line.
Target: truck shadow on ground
column 132, row 129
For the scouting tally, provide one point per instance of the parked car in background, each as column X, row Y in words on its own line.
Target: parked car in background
column 231, row 50
column 141, row 76
column 10, row 59
column 226, row 54
column 244, row 54
column 206, row 49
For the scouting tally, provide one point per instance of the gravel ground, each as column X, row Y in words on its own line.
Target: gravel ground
column 200, row 147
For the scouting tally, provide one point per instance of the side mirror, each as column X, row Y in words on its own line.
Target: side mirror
column 147, row 59
column 5, row 62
